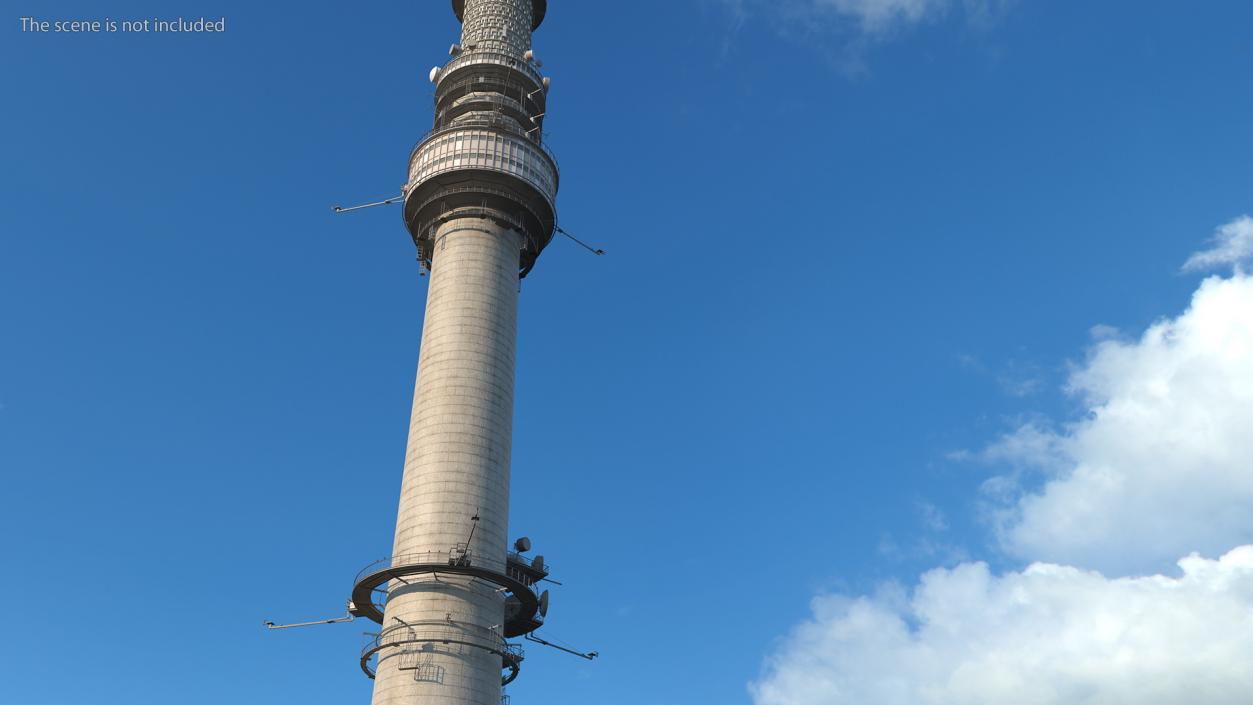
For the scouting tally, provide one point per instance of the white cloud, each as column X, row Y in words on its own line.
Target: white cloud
column 870, row 17
column 1162, row 463
column 874, row 16
column 1049, row 635
column 1232, row 246
column 1159, row 465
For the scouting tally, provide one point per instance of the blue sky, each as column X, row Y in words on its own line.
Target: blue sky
column 857, row 251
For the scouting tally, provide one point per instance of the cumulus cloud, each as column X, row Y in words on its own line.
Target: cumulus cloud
column 1049, row 635
column 1161, row 464
column 1231, row 245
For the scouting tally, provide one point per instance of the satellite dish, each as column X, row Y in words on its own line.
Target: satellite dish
column 522, row 545
column 548, row 82
column 543, row 604
column 538, row 564
column 454, row 50
column 529, row 55
column 435, row 72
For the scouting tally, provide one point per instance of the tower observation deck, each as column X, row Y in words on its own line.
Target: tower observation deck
column 480, row 204
column 485, row 153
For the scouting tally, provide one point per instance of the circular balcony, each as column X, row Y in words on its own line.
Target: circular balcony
column 473, row 103
column 485, row 145
column 485, row 62
column 431, row 637
column 369, row 591
column 488, row 164
column 532, row 100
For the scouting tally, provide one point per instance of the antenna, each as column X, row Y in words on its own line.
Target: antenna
column 348, row 617
column 589, row 655
column 388, row 202
column 461, row 553
column 585, row 246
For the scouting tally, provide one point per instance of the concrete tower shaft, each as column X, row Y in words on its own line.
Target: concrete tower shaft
column 461, row 428
column 480, row 203
column 456, row 468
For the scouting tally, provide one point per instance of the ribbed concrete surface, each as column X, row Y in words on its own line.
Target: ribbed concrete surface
column 457, row 461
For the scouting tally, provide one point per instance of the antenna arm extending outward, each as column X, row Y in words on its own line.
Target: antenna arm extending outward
column 388, row 202
column 584, row 245
column 589, row 655
column 346, row 618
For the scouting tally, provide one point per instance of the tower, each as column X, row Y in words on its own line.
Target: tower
column 480, row 205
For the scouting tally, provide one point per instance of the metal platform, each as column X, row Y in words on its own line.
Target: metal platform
column 431, row 636
column 518, row 580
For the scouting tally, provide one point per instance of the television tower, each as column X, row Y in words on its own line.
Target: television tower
column 480, row 203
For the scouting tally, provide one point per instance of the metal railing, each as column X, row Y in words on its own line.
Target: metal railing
column 449, row 558
column 478, row 56
column 486, row 119
column 472, row 97
column 524, row 94
column 442, row 633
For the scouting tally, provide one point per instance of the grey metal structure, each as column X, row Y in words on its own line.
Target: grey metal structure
column 480, row 204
